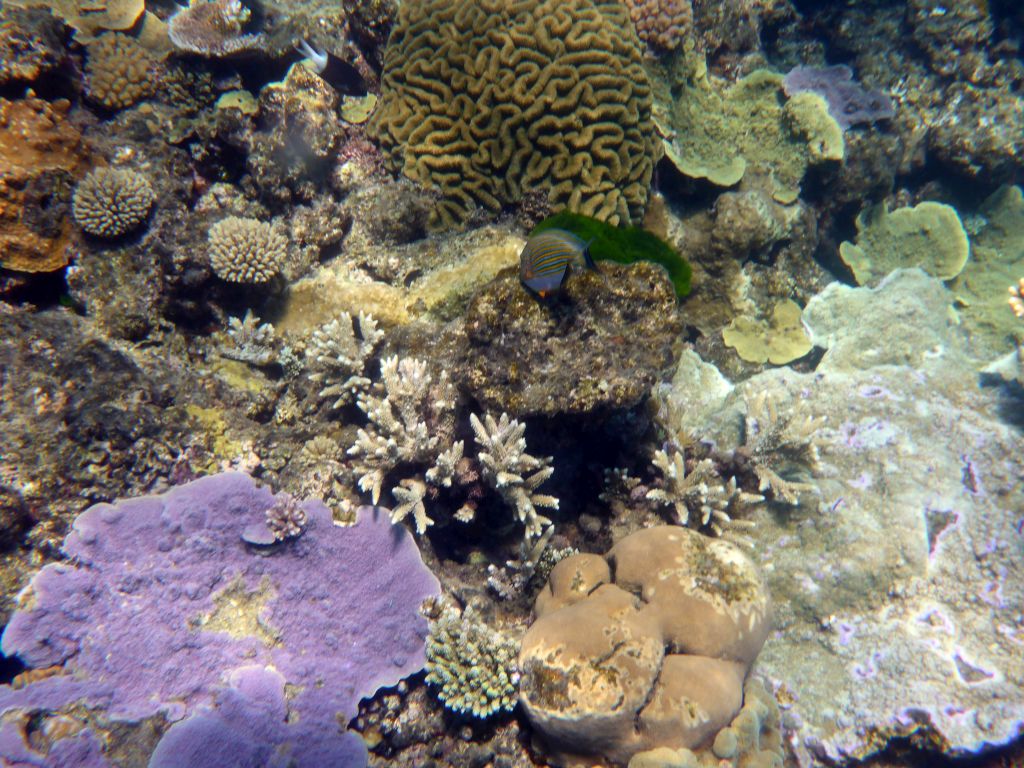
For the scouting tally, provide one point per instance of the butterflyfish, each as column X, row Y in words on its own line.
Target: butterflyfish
column 547, row 259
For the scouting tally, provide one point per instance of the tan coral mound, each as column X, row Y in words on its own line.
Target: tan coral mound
column 118, row 71
column 40, row 152
column 647, row 647
column 662, row 24
column 246, row 250
column 112, row 201
column 487, row 100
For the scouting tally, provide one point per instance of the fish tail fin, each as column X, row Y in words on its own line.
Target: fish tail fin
column 588, row 260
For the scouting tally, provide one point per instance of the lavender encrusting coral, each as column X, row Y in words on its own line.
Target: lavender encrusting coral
column 849, row 103
column 166, row 601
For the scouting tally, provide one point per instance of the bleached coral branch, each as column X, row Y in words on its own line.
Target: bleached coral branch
column 780, row 443
column 408, row 424
column 409, row 495
column 443, row 471
column 252, row 342
column 511, row 471
column 337, row 354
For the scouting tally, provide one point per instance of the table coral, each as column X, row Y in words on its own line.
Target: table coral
column 486, row 101
column 212, row 28
column 930, row 236
column 749, row 128
column 646, row 647
column 167, row 609
column 40, row 153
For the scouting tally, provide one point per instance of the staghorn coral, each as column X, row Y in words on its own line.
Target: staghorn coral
column 511, row 471
column 778, row 444
column 111, row 202
column 408, row 424
column 699, row 497
column 246, row 250
column 474, row 667
column 252, row 342
column 662, row 24
column 118, row 71
column 337, row 354
column 486, row 101
column 212, row 28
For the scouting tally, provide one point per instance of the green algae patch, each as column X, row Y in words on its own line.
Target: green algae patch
column 625, row 245
column 778, row 340
column 930, row 236
column 997, row 262
column 749, row 129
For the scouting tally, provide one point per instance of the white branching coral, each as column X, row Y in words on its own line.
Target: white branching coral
column 511, row 471
column 409, row 494
column 444, row 469
column 252, row 342
column 337, row 354
column 408, row 424
column 778, row 445
column 473, row 666
column 699, row 497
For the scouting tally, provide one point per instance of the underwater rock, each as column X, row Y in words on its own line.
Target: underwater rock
column 485, row 102
column 897, row 600
column 173, row 601
column 598, row 348
column 40, row 154
column 612, row 654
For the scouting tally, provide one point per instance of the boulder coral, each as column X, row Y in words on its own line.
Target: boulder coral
column 486, row 101
column 645, row 647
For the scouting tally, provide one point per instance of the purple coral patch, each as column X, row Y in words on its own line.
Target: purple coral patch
column 335, row 612
column 849, row 103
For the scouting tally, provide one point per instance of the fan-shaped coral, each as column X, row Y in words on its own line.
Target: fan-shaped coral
column 486, row 100
column 246, row 250
column 110, row 202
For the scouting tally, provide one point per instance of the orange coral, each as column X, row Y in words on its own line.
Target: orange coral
column 40, row 151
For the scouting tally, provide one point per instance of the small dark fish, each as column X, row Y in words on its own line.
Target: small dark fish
column 547, row 259
column 341, row 75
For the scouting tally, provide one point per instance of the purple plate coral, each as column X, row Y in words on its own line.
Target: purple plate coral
column 266, row 653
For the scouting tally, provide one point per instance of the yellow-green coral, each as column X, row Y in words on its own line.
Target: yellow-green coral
column 778, row 340
column 930, row 236
column 486, row 100
column 724, row 134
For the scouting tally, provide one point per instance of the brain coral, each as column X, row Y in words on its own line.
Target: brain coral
column 110, row 201
column 118, row 71
column 486, row 100
column 246, row 250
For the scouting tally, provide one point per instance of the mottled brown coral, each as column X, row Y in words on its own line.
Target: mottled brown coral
column 487, row 100
column 662, row 24
column 118, row 71
column 40, row 152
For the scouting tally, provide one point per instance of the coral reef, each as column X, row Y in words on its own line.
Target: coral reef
column 29, row 45
column 662, row 24
column 747, row 130
column 90, row 18
column 778, row 340
column 930, row 235
column 473, row 666
column 118, row 71
column 40, row 153
column 646, row 647
column 245, row 250
column 337, row 353
column 511, row 471
column 212, row 28
column 172, row 600
column 486, row 102
column 599, row 350
column 111, row 202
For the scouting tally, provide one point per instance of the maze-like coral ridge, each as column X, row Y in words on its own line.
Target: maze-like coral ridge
column 486, row 100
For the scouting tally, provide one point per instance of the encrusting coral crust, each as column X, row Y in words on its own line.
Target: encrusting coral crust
column 486, row 100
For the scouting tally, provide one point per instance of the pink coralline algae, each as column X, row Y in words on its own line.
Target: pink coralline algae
column 166, row 609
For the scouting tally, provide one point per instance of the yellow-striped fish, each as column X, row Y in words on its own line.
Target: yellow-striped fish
column 547, row 259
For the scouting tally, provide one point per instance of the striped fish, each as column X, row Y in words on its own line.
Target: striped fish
column 548, row 258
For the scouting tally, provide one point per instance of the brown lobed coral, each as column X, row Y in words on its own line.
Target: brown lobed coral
column 488, row 100
column 662, row 24
column 40, row 152
column 118, row 71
